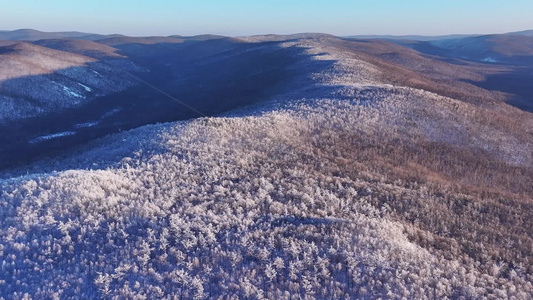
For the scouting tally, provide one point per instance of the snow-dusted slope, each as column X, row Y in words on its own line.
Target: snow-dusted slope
column 346, row 187
column 35, row 80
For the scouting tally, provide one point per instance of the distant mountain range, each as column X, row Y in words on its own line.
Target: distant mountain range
column 514, row 48
column 524, row 32
column 502, row 48
column 34, row 35
column 430, row 37
column 410, row 37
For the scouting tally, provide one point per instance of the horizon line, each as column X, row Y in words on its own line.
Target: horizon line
column 274, row 34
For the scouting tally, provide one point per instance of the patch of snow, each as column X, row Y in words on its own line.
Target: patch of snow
column 88, row 89
column 86, row 125
column 110, row 113
column 51, row 136
column 489, row 59
column 72, row 93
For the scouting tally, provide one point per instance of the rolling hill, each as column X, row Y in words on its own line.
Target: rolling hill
column 36, row 80
column 121, row 83
column 278, row 167
column 410, row 37
column 512, row 53
column 429, row 38
column 506, row 48
column 82, row 47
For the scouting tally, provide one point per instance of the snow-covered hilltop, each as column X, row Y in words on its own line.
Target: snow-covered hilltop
column 353, row 183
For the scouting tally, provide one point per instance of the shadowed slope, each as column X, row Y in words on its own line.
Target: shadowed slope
column 210, row 76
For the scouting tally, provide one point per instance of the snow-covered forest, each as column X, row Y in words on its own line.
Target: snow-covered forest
column 350, row 186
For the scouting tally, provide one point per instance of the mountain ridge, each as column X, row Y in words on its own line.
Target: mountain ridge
column 427, row 38
column 131, row 72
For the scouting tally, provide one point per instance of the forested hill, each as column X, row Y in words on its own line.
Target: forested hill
column 377, row 172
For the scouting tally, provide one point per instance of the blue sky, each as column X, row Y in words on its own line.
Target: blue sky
column 233, row 17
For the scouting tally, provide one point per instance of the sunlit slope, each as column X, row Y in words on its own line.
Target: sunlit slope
column 35, row 80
